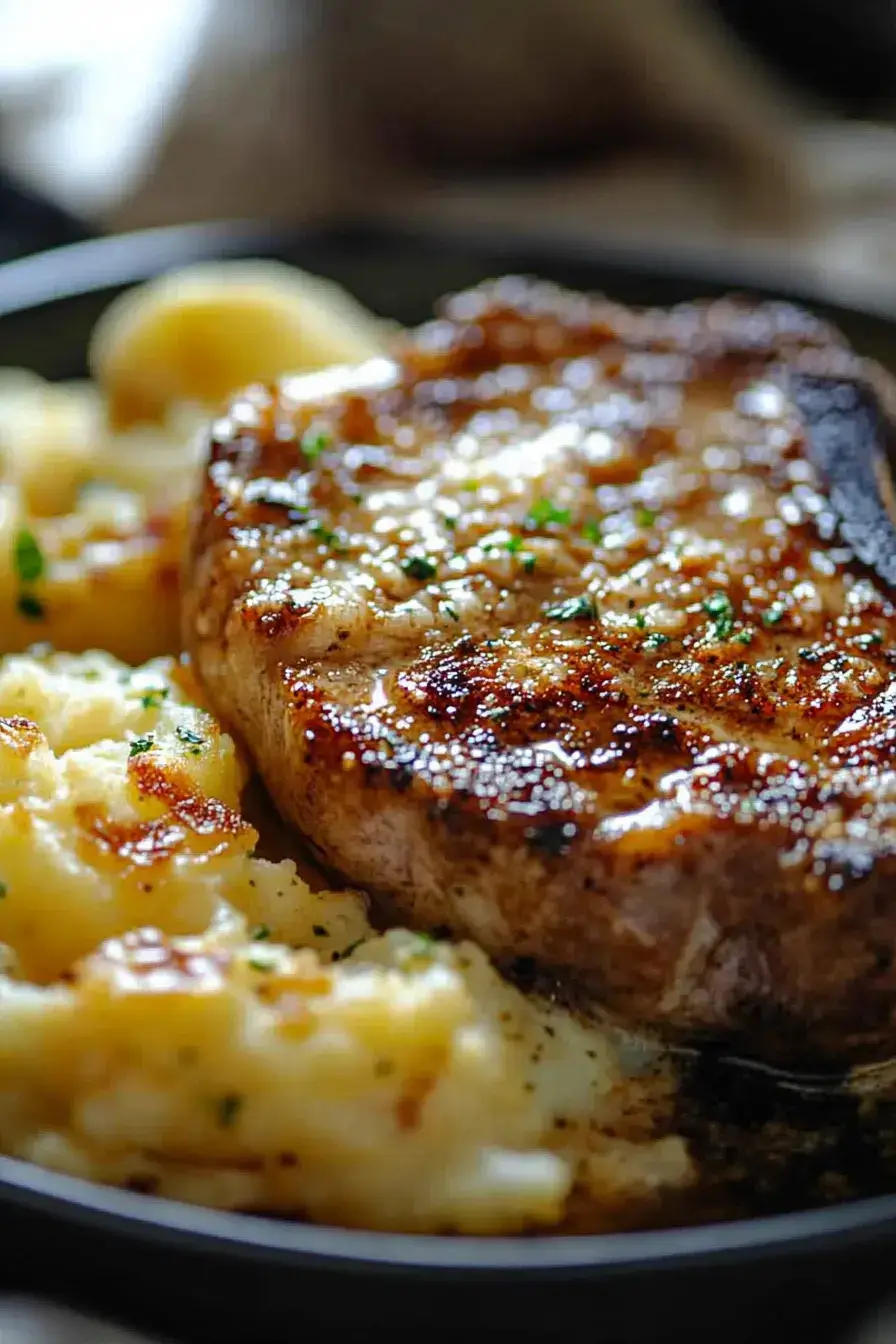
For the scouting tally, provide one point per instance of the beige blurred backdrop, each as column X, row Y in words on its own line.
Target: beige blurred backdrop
column 585, row 119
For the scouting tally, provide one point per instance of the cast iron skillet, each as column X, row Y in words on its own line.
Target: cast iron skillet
column 201, row 1274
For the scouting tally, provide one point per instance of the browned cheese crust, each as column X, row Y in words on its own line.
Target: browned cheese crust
column 541, row 632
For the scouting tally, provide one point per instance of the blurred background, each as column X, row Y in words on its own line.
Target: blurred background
column 746, row 126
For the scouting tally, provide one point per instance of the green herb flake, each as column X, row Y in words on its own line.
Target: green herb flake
column 3, row 890
column 645, row 517
column 593, row 532
column 545, row 511
column 450, row 610
column 327, row 537
column 259, row 964
column 529, row 562
column 30, row 607
column 418, row 567
column 449, row 521
column 315, row 441
column 27, row 556
column 581, row 608
column 141, row 745
column 512, row 545
column 744, row 637
column 868, row 641
column 229, row 1108
column 187, row 735
column 776, row 612
column 153, row 699
column 655, row 641
column 501, row 712
column 641, row 621
column 720, row 611
column 260, row 933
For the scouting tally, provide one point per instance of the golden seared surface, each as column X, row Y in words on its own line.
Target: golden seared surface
column 539, row 632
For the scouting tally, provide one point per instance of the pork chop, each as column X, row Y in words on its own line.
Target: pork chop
column 542, row 633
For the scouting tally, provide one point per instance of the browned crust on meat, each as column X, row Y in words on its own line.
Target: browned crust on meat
column 681, row 789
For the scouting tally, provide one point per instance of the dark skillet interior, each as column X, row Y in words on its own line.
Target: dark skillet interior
column 201, row 1275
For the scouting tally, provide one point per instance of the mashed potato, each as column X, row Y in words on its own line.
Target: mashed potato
column 96, row 478
column 121, row 809
column 179, row 1015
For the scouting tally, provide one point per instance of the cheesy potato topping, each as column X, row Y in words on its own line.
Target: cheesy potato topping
column 180, row 1015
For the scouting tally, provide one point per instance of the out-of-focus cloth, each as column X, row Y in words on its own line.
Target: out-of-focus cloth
column 162, row 111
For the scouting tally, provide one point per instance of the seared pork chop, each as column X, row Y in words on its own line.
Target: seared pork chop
column 542, row 632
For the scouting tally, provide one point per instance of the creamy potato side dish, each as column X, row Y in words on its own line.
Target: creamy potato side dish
column 96, row 477
column 181, row 1016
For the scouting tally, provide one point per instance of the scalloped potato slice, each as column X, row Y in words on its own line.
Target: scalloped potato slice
column 198, row 334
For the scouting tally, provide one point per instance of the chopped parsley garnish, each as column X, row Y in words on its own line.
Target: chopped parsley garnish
column 776, row 612
column 418, row 567
column 655, row 641
column 153, row 699
column 744, row 637
column 259, row 964
column 593, row 532
column 545, row 511
column 581, row 608
column 501, row 712
column 867, row 641
column 30, row 607
column 450, row 610
column 529, row 563
column 449, row 521
column 27, row 556
column 471, row 484
column 3, row 890
column 641, row 621
column 327, row 536
column 187, row 735
column 141, row 745
column 645, row 517
column 512, row 545
column 720, row 611
column 229, row 1108
column 315, row 441
column 260, row 933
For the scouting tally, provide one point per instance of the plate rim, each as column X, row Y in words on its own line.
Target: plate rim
column 77, row 269
column 150, row 1218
